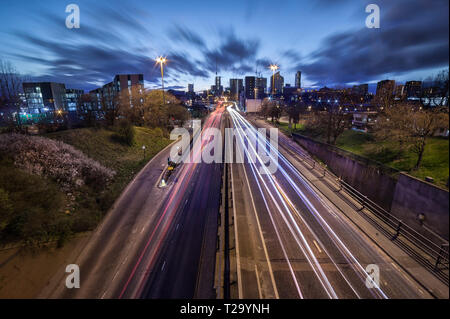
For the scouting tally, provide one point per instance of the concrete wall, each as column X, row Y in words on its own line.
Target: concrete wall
column 413, row 197
column 403, row 195
column 371, row 179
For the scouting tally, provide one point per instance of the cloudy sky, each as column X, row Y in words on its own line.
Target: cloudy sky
column 326, row 39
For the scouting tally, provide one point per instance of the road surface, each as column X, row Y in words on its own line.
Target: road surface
column 293, row 243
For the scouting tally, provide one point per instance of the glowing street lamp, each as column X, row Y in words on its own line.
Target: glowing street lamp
column 162, row 60
column 274, row 68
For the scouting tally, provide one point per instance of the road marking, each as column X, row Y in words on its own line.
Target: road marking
column 236, row 239
column 143, row 228
column 272, row 277
column 160, row 176
column 259, row 284
column 317, row 246
column 178, row 225
column 163, row 266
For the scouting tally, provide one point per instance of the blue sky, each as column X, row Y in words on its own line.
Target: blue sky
column 326, row 39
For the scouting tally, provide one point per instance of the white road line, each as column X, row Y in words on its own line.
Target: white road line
column 317, row 246
column 259, row 284
column 272, row 277
column 238, row 257
column 163, row 266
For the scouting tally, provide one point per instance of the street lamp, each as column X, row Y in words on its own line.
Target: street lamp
column 274, row 68
column 144, row 148
column 162, row 60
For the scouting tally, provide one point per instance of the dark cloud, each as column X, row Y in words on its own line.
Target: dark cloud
column 413, row 36
column 80, row 65
column 183, row 34
column 231, row 52
column 91, row 56
column 292, row 55
column 183, row 64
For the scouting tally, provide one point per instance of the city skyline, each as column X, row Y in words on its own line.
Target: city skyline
column 87, row 57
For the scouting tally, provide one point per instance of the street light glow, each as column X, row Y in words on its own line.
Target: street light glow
column 161, row 60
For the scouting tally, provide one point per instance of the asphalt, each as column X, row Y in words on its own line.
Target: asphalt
column 155, row 242
column 121, row 235
column 311, row 249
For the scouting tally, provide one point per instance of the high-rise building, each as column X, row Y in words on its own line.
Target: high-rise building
column 385, row 88
column 261, row 87
column 44, row 96
column 218, row 86
column 361, row 89
column 298, row 80
column 190, row 88
column 413, row 89
column 236, row 88
column 250, row 85
column 277, row 83
column 73, row 98
column 127, row 81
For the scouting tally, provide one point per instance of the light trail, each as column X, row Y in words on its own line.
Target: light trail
column 173, row 203
column 302, row 243
column 239, row 121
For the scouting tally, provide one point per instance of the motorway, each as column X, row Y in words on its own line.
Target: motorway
column 292, row 242
column 155, row 242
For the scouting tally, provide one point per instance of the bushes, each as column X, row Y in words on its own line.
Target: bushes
column 125, row 132
column 6, row 209
column 41, row 156
column 34, row 206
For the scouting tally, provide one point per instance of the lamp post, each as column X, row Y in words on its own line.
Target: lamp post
column 162, row 60
column 144, row 148
column 274, row 68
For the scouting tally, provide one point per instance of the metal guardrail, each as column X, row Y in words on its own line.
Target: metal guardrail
column 433, row 255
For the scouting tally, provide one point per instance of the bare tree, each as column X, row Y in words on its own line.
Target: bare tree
column 436, row 90
column 10, row 87
column 412, row 126
column 272, row 109
column 86, row 109
column 110, row 109
column 293, row 111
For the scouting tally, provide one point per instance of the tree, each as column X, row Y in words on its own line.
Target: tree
column 436, row 90
column 270, row 108
column 110, row 109
column 10, row 87
column 178, row 113
column 333, row 120
column 146, row 107
column 86, row 109
column 412, row 126
column 293, row 110
column 385, row 96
